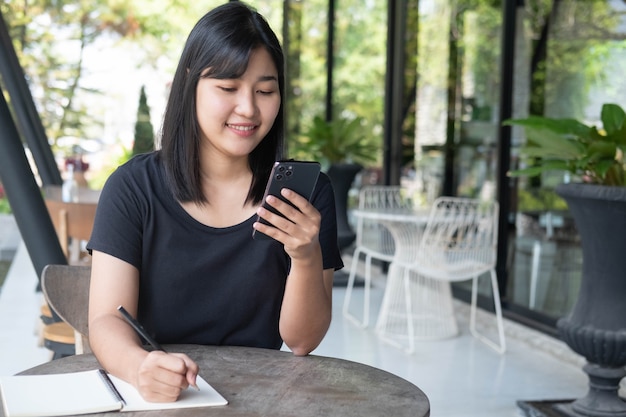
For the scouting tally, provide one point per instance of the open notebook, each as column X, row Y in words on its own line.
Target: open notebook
column 86, row 392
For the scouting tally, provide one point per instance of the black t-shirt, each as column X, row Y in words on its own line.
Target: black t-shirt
column 199, row 284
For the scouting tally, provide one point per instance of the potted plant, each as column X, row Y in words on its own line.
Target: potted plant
column 596, row 197
column 340, row 146
column 338, row 141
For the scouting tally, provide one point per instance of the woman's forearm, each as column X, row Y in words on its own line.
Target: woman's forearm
column 117, row 347
column 307, row 306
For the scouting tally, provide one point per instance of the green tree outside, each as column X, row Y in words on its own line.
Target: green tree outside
column 144, row 132
column 51, row 39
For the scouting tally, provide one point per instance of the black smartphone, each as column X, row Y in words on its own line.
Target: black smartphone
column 298, row 176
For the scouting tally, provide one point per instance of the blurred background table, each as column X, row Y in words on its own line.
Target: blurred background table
column 73, row 221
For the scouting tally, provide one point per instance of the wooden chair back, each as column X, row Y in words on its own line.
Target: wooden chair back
column 72, row 222
column 66, row 289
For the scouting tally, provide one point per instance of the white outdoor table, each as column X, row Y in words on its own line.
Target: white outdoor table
column 425, row 298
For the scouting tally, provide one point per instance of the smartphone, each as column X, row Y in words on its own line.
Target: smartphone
column 298, row 176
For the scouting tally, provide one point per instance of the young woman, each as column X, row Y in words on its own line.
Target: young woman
column 172, row 240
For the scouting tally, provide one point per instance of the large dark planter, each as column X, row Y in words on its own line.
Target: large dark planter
column 342, row 176
column 596, row 326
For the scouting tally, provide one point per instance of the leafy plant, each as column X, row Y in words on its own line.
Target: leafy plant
column 595, row 155
column 336, row 141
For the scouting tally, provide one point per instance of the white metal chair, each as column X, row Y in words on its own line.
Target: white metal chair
column 373, row 240
column 458, row 244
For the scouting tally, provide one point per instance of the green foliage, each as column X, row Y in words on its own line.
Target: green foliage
column 144, row 132
column 358, row 68
column 121, row 155
column 335, row 141
column 481, row 55
column 51, row 40
column 4, row 201
column 4, row 205
column 595, row 155
column 542, row 199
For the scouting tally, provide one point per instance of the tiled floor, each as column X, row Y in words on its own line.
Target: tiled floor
column 461, row 376
column 19, row 317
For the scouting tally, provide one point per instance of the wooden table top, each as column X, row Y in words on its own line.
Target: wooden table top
column 263, row 382
column 85, row 195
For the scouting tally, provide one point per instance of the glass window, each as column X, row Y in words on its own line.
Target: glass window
column 568, row 63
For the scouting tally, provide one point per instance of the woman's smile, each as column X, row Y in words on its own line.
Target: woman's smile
column 243, row 129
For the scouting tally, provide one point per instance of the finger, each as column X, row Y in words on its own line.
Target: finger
column 298, row 210
column 192, row 379
column 279, row 227
column 296, row 199
column 160, row 393
column 304, row 214
column 184, row 368
column 192, row 370
column 263, row 228
column 269, row 229
column 277, row 213
column 161, row 377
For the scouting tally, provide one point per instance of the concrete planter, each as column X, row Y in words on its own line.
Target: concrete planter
column 596, row 326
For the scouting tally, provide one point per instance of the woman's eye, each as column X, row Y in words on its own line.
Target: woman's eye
column 266, row 92
column 227, row 89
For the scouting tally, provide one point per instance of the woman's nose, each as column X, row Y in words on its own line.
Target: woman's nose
column 246, row 104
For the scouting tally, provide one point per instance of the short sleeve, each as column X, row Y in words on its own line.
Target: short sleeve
column 118, row 229
column 324, row 201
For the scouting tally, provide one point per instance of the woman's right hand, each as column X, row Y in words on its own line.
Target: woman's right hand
column 163, row 376
column 157, row 375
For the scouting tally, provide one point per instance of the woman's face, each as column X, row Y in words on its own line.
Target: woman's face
column 234, row 115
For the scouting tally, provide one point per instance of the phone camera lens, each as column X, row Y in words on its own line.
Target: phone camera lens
column 288, row 173
column 279, row 177
column 281, row 168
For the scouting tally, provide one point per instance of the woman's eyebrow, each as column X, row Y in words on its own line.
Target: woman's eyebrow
column 268, row 78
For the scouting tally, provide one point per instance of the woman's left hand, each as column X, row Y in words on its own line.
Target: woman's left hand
column 307, row 304
column 298, row 231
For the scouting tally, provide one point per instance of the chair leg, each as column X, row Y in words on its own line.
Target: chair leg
column 498, row 308
column 351, row 277
column 383, row 323
column 367, row 290
column 534, row 275
column 409, row 311
column 382, row 329
column 498, row 347
column 350, row 287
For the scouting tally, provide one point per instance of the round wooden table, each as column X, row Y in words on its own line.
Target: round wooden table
column 263, row 382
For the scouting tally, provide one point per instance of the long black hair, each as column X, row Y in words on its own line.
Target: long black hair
column 221, row 42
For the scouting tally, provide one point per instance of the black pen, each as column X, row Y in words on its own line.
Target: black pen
column 142, row 332
column 139, row 329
